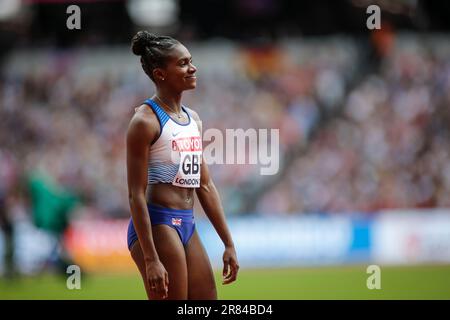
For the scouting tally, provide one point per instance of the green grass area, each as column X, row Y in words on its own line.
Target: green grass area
column 343, row 282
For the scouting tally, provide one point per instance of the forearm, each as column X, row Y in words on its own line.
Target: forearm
column 142, row 225
column 211, row 204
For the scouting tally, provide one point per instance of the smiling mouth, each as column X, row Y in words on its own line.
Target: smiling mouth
column 191, row 77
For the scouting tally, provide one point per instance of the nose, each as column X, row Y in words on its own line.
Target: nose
column 192, row 69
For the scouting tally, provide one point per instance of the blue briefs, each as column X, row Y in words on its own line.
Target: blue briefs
column 181, row 220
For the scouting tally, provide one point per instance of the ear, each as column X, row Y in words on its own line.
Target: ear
column 159, row 74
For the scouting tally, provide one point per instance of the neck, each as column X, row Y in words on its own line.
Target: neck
column 173, row 101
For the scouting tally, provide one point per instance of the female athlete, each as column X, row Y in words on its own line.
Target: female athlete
column 164, row 167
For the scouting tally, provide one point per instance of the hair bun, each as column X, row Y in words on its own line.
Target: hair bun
column 141, row 41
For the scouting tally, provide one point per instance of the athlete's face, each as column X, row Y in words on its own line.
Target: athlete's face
column 180, row 72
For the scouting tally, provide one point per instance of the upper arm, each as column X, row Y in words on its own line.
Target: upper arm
column 140, row 133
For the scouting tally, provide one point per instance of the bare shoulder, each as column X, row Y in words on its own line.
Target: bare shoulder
column 144, row 122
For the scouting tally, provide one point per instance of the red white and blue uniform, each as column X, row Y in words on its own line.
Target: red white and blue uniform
column 174, row 157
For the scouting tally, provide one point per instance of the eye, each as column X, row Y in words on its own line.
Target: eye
column 185, row 62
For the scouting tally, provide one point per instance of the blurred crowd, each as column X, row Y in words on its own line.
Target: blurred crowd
column 65, row 115
column 388, row 148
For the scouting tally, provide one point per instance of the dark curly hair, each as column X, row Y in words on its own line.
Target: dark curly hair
column 152, row 49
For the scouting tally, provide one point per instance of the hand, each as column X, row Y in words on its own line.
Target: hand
column 230, row 265
column 157, row 279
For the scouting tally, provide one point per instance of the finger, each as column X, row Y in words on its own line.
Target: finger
column 226, row 266
column 162, row 294
column 234, row 268
column 230, row 279
column 153, row 290
column 166, row 281
column 152, row 285
column 157, row 296
column 166, row 285
column 155, row 284
column 161, row 286
column 158, row 293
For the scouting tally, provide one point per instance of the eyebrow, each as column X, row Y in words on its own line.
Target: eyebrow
column 185, row 58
